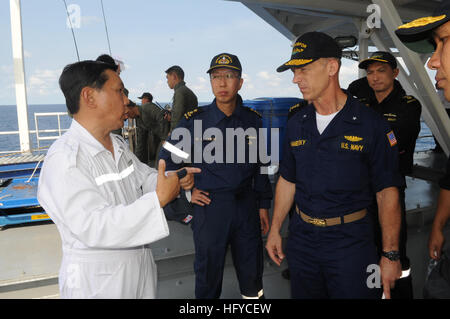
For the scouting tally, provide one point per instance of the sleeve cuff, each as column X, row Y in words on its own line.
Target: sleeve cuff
column 264, row 203
column 284, row 173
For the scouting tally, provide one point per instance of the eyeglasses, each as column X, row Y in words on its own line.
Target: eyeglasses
column 226, row 76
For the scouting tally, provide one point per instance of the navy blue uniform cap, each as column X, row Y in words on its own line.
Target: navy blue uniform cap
column 417, row 34
column 310, row 47
column 379, row 56
column 225, row 60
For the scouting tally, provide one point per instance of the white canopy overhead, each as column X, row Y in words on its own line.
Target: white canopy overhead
column 372, row 23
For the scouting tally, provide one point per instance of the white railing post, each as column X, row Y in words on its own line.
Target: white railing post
column 19, row 75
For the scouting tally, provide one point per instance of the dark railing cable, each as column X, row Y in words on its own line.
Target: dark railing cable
column 106, row 27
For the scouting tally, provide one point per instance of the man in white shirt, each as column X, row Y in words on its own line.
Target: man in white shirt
column 104, row 201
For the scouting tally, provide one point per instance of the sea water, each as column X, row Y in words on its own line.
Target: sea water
column 8, row 122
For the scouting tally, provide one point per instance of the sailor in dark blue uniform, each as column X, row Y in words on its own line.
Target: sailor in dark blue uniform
column 381, row 91
column 430, row 35
column 337, row 154
column 231, row 195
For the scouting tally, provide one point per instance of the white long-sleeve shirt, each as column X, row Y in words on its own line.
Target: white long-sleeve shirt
column 97, row 201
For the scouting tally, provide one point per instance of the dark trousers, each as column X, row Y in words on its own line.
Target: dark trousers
column 229, row 220
column 331, row 262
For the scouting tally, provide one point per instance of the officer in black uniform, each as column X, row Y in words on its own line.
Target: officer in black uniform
column 235, row 196
column 331, row 170
column 427, row 35
column 382, row 92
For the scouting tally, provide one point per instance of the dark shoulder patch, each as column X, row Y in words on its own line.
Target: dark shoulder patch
column 254, row 111
column 192, row 113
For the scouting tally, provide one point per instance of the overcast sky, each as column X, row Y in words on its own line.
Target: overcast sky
column 149, row 36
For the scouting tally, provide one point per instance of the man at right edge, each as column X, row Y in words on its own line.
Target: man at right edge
column 426, row 35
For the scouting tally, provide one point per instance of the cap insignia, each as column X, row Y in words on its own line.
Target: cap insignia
column 299, row 47
column 223, row 60
column 300, row 44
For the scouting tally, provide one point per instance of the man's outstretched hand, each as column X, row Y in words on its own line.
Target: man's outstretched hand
column 168, row 187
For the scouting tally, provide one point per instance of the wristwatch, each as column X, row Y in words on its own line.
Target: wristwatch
column 393, row 255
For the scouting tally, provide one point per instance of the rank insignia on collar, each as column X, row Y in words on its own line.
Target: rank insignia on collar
column 409, row 99
column 189, row 114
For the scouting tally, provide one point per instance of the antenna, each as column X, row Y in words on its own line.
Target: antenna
column 106, row 27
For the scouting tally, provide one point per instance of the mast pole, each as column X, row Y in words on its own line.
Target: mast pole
column 19, row 75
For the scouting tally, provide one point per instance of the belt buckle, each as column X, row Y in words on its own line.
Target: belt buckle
column 318, row 222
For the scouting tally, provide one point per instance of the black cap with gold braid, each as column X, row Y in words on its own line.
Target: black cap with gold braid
column 310, row 47
column 417, row 34
column 225, row 60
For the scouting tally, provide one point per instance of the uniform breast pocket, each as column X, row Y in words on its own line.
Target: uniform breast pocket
column 350, row 171
column 303, row 164
column 109, row 193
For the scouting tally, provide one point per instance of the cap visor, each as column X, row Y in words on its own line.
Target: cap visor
column 423, row 46
column 294, row 63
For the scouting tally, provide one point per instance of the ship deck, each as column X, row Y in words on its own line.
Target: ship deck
column 30, row 254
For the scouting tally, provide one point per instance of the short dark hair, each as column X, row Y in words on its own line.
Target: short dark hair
column 177, row 70
column 107, row 59
column 78, row 75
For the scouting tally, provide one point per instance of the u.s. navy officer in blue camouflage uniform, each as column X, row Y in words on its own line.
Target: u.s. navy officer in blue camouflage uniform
column 231, row 198
column 337, row 153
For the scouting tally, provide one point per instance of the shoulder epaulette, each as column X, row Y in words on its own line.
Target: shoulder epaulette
column 295, row 108
column 409, row 98
column 254, row 111
column 292, row 108
column 364, row 101
column 190, row 114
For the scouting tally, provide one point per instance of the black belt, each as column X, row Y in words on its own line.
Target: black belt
column 238, row 193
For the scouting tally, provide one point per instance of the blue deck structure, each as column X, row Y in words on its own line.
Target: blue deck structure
column 18, row 194
column 20, row 170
